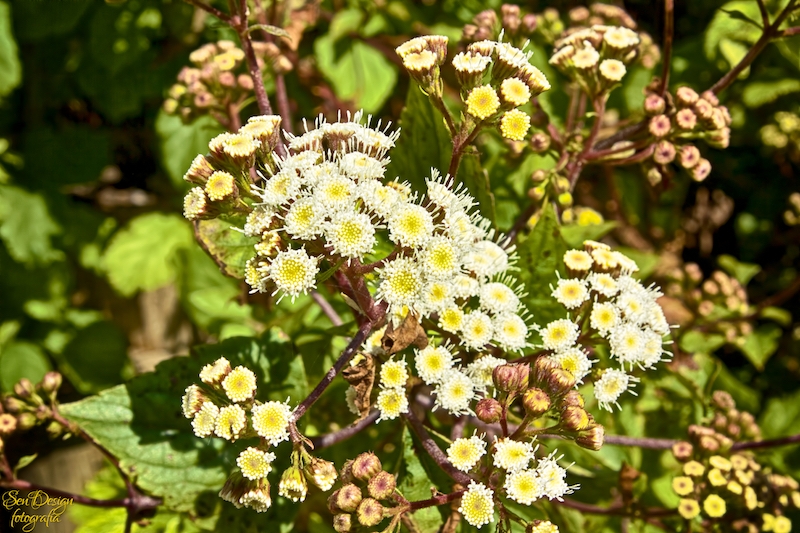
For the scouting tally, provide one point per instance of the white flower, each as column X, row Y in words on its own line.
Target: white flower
column 441, row 193
column 303, row 219
column 271, row 421
column 612, row 69
column 379, row 198
column 471, row 63
column 498, row 298
column 335, row 192
column 350, row 234
column 465, row 453
column 575, row 361
column 570, row 293
column 280, row 188
column 432, row 363
column 293, row 272
column 459, row 226
column 619, row 37
column 465, row 286
column 586, row 57
column 258, row 221
column 512, row 455
column 653, row 349
column 523, row 486
column 510, row 331
column 451, row 319
column 604, row 317
column 481, row 370
column 437, row 295
column 391, row 403
column 477, row 505
column 603, row 284
column 394, row 374
column 477, row 330
column 559, row 334
column 255, row 463
column 455, row 392
column 410, row 225
column 401, row 283
column 578, row 260
column 486, row 259
column 552, row 478
column 610, row 387
column 441, row 258
column 627, row 343
column 361, row 166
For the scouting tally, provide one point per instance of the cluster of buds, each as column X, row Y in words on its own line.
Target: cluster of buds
column 783, row 136
column 596, row 58
column 674, row 122
column 223, row 178
column 718, row 303
column 423, row 57
column 219, row 80
column 368, row 495
column 731, row 488
column 516, row 26
column 224, row 405
column 30, row 405
column 550, row 186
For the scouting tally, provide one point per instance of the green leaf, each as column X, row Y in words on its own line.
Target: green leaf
column 694, row 341
column 94, row 359
column 761, row 344
column 75, row 154
column 758, row 93
column 416, row 485
column 10, row 68
column 777, row 314
column 25, row 461
column 26, row 226
column 360, row 74
column 272, row 30
column 575, row 235
column 141, row 424
column 141, row 256
column 738, row 15
column 229, row 248
column 743, row 272
column 540, row 257
column 633, row 89
column 424, row 142
column 731, row 37
column 22, row 359
column 38, row 20
column 476, row 179
column 180, row 143
column 781, row 416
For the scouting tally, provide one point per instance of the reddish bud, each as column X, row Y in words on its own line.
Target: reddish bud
column 348, row 498
column 488, row 410
column 382, row 486
column 366, row 466
column 342, row 523
column 536, row 402
column 682, row 451
column 370, row 512
column 574, row 418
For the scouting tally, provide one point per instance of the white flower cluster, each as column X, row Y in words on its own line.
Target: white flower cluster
column 619, row 309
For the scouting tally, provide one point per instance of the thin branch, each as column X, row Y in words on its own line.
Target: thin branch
column 327, row 308
column 347, row 354
column 772, row 443
column 762, row 7
column 210, row 9
column 324, row 441
column 436, row 500
column 669, row 33
column 434, row 451
column 640, row 442
column 438, row 103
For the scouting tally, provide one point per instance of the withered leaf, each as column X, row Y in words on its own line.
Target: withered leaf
column 360, row 374
column 407, row 333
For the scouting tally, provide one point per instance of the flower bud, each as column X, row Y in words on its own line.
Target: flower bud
column 382, row 486
column 24, row 388
column 537, row 193
column 565, row 199
column 654, row 104
column 346, row 473
column 536, row 402
column 511, row 18
column 538, row 176
column 574, row 418
column 370, row 512
column 26, row 421
column 720, row 138
column 349, row 498
column 293, row 485
column 511, row 378
column 342, row 523
column 573, row 397
column 321, row 473
column 8, row 423
column 234, row 488
column 560, row 382
column 366, row 466
column 14, row 405
column 529, row 23
column 540, row 142
column 686, row 96
column 664, row 153
column 682, row 451
column 723, row 400
column 709, row 444
column 591, row 439
column 333, row 507
column 488, row 410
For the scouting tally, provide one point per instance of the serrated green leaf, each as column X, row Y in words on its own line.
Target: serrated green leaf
column 540, row 257
column 95, row 357
column 761, row 344
column 22, row 359
column 694, row 341
column 416, row 485
column 10, row 68
column 743, row 272
column 575, row 235
column 141, row 256
column 141, row 424
column 424, row 142
column 472, row 174
column 26, row 226
column 229, row 248
column 180, row 143
column 360, row 73
column 758, row 93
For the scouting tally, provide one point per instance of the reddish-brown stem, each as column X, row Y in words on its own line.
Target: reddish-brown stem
column 762, row 7
column 327, row 308
column 770, row 31
column 640, row 442
column 434, row 451
column 435, row 501
column 458, row 149
column 771, row 443
column 347, row 354
column 323, row 441
column 666, row 55
column 597, row 154
column 210, row 9
column 281, row 95
column 789, row 32
column 360, row 269
column 234, row 121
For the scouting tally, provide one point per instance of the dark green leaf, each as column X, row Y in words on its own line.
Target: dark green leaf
column 10, row 69
column 26, row 226
column 141, row 424
column 142, row 256
column 694, row 341
column 781, row 416
column 761, row 344
column 229, row 248
column 540, row 257
column 575, row 235
column 180, row 143
column 743, row 272
column 424, row 141
column 75, row 154
column 38, row 20
column 416, row 485
column 472, row 174
column 21, row 359
column 95, row 357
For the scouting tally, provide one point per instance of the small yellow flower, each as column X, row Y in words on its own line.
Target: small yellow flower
column 694, row 469
column 688, row 508
column 782, row 525
column 717, row 461
column 750, row 498
column 714, row 506
column 515, row 91
column 683, row 485
column 515, row 125
column 255, row 463
column 734, row 487
column 220, row 185
column 716, row 477
column 240, row 384
column 739, row 462
column 482, row 102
